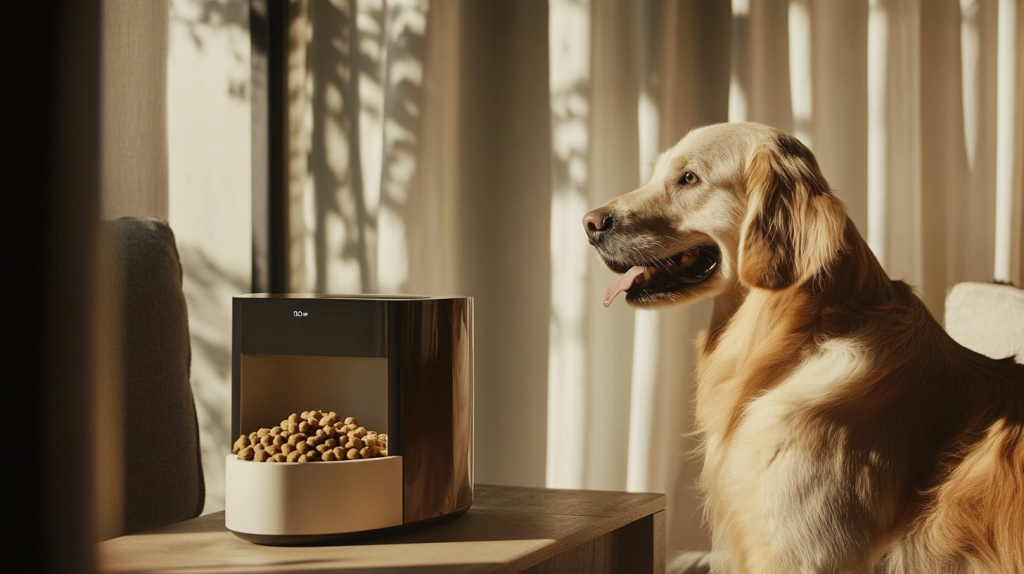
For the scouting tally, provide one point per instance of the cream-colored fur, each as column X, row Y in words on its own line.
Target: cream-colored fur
column 843, row 430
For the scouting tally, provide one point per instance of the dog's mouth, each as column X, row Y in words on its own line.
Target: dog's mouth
column 651, row 281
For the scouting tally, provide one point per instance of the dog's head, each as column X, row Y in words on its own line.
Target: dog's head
column 729, row 204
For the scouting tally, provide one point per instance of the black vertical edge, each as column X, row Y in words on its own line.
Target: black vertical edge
column 236, row 368
column 394, row 351
column 49, row 213
column 268, row 25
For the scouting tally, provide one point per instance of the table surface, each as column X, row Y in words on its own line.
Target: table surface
column 507, row 529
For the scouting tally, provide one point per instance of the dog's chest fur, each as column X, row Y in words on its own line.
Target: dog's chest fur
column 768, row 459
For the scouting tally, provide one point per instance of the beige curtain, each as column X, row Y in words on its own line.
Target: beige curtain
column 453, row 147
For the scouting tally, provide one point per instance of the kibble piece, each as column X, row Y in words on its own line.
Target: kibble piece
column 355, row 442
column 262, row 432
column 331, row 443
column 328, row 456
column 352, row 454
column 321, row 448
column 305, row 427
column 267, row 440
column 275, row 431
column 246, row 453
column 383, row 452
column 279, row 457
column 339, row 452
column 351, row 421
column 329, row 432
column 370, row 440
column 302, row 458
column 242, row 442
column 254, row 438
column 261, row 455
column 302, row 447
column 293, row 456
column 279, row 440
column 272, row 449
column 294, row 418
column 296, row 439
column 259, row 446
column 287, row 448
column 366, row 452
column 360, row 432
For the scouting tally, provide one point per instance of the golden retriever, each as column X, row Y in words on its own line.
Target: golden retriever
column 843, row 430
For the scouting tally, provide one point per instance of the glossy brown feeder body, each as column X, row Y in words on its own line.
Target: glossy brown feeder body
column 402, row 365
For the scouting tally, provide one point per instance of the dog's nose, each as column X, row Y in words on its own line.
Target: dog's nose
column 597, row 223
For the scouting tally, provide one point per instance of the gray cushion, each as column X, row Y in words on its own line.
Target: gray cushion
column 163, row 474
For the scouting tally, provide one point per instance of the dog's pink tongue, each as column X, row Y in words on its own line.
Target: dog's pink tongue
column 621, row 284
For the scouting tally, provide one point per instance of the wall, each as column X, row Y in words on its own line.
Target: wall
column 208, row 135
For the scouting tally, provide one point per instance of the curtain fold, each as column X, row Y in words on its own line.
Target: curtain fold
column 453, row 147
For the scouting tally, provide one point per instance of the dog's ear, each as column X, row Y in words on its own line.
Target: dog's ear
column 794, row 224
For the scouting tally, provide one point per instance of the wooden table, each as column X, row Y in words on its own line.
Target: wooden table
column 508, row 529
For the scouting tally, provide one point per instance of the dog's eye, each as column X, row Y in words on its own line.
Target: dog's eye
column 688, row 178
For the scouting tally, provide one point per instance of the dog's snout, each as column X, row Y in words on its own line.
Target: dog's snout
column 597, row 223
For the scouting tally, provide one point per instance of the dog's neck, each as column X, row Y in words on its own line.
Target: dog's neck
column 854, row 277
column 725, row 305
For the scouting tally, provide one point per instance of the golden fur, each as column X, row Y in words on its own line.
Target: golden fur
column 843, row 430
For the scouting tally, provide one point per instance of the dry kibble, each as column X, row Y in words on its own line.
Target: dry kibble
column 311, row 437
